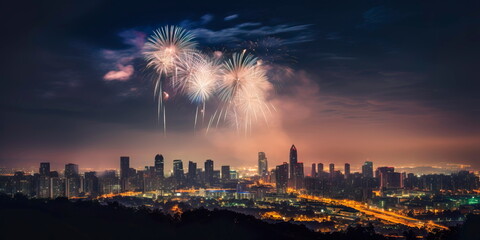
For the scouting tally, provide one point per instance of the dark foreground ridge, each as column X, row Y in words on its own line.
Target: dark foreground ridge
column 23, row 218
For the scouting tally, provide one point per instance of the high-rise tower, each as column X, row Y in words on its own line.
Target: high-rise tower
column 367, row 170
column 314, row 171
column 293, row 161
column 209, row 172
column 262, row 164
column 178, row 172
column 44, row 169
column 124, row 170
column 159, row 169
column 347, row 170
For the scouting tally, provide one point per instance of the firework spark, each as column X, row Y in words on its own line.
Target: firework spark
column 198, row 75
column 243, row 89
column 161, row 52
column 240, row 82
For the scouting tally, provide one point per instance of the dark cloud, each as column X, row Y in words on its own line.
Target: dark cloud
column 372, row 63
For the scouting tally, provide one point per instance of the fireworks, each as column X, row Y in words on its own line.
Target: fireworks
column 240, row 82
column 165, row 46
column 162, row 52
column 243, row 89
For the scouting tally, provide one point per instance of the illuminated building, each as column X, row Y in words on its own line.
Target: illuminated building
column 91, row 183
column 332, row 170
column 225, row 173
column 159, row 167
column 367, row 169
column 72, row 180
column 262, row 164
column 178, row 170
column 192, row 172
column 233, row 174
column 388, row 178
column 216, row 176
column 314, row 172
column 109, row 182
column 44, row 169
column 281, row 173
column 22, row 184
column 319, row 169
column 347, row 170
column 57, row 185
column 293, row 161
column 44, row 181
column 209, row 172
column 124, row 173
column 299, row 175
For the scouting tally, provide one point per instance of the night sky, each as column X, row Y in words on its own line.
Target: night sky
column 394, row 83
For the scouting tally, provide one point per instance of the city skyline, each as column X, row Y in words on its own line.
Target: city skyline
column 295, row 120
column 261, row 169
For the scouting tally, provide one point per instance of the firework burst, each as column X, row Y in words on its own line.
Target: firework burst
column 161, row 52
column 240, row 82
column 243, row 89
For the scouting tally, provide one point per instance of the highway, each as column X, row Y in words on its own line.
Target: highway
column 378, row 213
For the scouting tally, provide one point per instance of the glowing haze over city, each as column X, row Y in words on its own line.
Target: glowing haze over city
column 329, row 120
column 377, row 82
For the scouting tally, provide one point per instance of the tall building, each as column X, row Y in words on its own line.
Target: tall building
column 178, row 169
column 388, row 177
column 262, row 164
column 44, row 169
column 299, row 175
column 367, row 169
column 314, row 171
column 71, row 170
column 192, row 172
column 332, row 169
column 281, row 177
column 72, row 180
column 319, row 168
column 347, row 170
column 159, row 167
column 293, row 161
column 57, row 184
column 109, row 182
column 44, row 184
column 209, row 172
column 91, row 184
column 124, row 173
column 225, row 173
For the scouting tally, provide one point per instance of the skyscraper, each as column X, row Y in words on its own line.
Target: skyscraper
column 262, row 164
column 320, row 168
column 209, row 172
column 347, row 170
column 91, row 183
column 72, row 180
column 299, row 175
column 44, row 184
column 71, row 170
column 124, row 170
column 178, row 169
column 44, row 169
column 192, row 172
column 159, row 166
column 367, row 170
column 225, row 173
column 388, row 177
column 314, row 171
column 281, row 177
column 332, row 169
column 293, row 161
